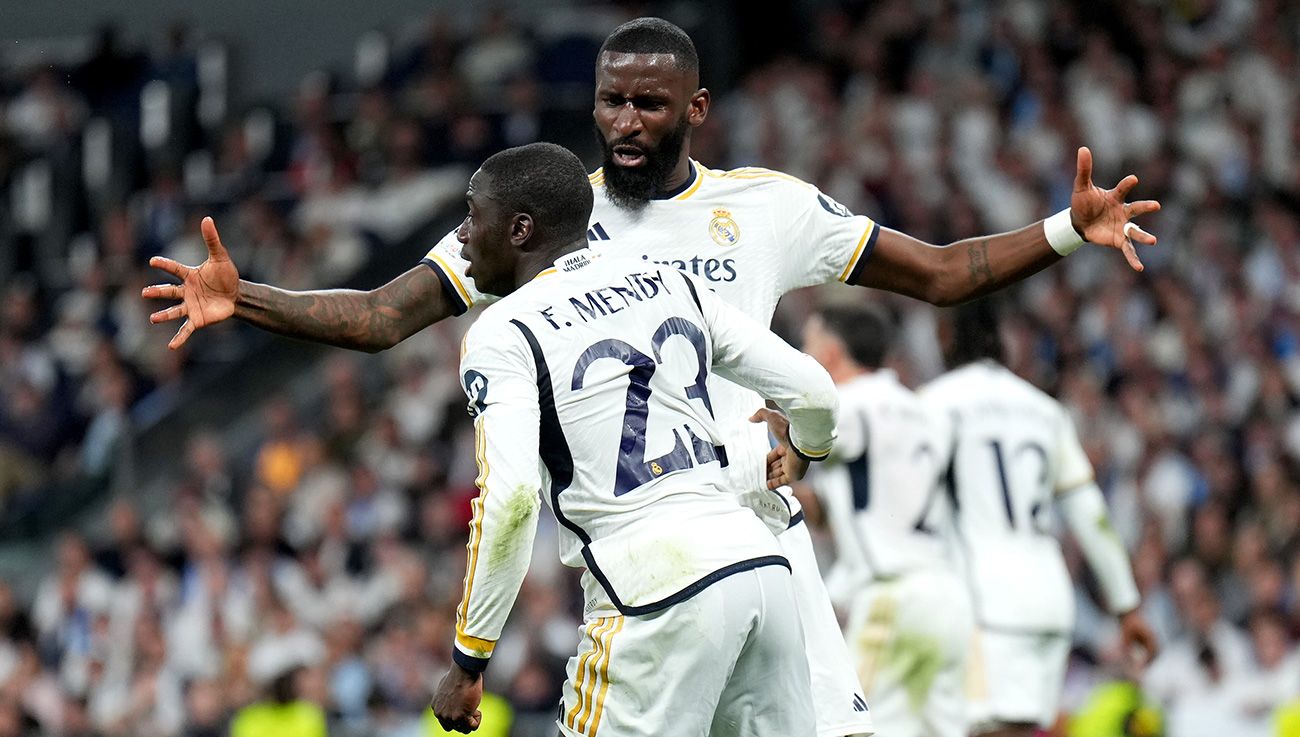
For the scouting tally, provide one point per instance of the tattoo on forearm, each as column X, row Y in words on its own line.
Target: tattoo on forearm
column 980, row 271
column 338, row 317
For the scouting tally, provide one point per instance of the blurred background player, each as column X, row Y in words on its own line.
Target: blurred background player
column 753, row 234
column 588, row 383
column 909, row 618
column 1017, row 457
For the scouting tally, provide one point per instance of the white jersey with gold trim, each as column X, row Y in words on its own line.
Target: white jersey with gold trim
column 1016, row 454
column 590, row 383
column 751, row 235
column 881, row 487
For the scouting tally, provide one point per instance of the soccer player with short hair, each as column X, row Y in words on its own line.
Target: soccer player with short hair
column 1017, row 456
column 589, row 381
column 909, row 617
column 751, row 234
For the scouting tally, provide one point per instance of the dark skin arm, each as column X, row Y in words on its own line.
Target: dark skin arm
column 813, row 512
column 367, row 321
column 971, row 268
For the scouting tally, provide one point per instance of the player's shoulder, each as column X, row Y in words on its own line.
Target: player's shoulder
column 496, row 325
column 1026, row 391
column 882, row 384
column 952, row 385
column 754, row 178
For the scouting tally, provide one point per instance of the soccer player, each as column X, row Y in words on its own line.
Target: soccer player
column 589, row 380
column 909, row 617
column 751, row 234
column 1017, row 456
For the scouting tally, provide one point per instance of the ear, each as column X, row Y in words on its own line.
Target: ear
column 521, row 229
column 698, row 109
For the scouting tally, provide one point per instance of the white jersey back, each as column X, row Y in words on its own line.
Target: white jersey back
column 752, row 235
column 617, row 354
column 1016, row 450
column 881, row 489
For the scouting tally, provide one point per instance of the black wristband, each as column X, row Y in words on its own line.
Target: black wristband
column 468, row 662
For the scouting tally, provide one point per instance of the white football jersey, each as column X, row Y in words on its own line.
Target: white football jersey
column 881, row 489
column 1016, row 452
column 591, row 384
column 751, row 235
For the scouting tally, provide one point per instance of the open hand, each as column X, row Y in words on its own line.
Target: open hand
column 1102, row 216
column 207, row 292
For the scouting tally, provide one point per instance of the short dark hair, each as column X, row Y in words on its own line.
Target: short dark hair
column 975, row 334
column 865, row 328
column 546, row 181
column 654, row 36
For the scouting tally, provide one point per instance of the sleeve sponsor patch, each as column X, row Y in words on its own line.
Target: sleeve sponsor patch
column 833, row 207
column 476, row 388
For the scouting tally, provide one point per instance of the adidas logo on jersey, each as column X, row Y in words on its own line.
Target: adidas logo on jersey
column 597, row 233
column 859, row 703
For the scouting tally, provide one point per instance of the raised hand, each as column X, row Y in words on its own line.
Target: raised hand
column 207, row 292
column 1103, row 217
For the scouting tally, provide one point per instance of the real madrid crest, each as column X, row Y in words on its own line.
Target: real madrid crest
column 723, row 228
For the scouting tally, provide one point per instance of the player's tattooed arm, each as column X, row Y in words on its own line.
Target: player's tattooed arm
column 369, row 321
column 967, row 269
column 948, row 275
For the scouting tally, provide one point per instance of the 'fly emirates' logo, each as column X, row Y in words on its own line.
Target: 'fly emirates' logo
column 711, row 269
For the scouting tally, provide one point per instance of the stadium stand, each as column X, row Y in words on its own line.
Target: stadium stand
column 302, row 552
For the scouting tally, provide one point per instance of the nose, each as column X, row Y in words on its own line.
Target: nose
column 627, row 122
column 462, row 232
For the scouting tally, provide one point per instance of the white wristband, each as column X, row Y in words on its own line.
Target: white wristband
column 1061, row 235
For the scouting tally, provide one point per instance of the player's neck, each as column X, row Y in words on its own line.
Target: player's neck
column 681, row 172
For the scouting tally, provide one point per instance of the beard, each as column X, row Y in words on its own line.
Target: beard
column 632, row 188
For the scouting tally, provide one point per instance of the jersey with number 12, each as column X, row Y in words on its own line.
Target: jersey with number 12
column 1016, row 452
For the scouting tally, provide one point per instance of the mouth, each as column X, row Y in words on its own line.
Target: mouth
column 629, row 156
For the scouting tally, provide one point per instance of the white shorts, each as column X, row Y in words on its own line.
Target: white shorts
column 727, row 662
column 1016, row 678
column 838, row 698
column 909, row 638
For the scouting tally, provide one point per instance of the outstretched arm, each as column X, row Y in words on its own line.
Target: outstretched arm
column 361, row 320
column 961, row 271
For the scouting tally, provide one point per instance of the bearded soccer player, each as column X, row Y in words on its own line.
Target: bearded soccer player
column 751, row 234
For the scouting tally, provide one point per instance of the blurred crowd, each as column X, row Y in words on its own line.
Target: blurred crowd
column 319, row 573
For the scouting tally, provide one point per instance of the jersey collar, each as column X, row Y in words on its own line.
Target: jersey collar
column 690, row 181
column 571, row 261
